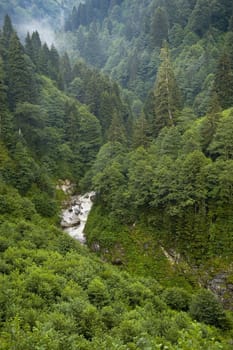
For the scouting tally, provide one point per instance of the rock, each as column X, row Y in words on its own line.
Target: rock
column 66, row 186
column 117, row 262
column 76, row 211
column 223, row 290
column 77, row 222
column 70, row 210
column 92, row 198
column 73, row 222
column 95, row 247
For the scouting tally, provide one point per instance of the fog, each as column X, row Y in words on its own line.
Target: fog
column 45, row 30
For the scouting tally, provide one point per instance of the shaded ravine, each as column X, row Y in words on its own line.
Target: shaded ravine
column 74, row 217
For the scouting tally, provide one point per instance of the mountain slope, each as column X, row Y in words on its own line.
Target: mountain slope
column 127, row 41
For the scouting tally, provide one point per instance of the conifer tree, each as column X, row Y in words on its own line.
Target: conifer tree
column 209, row 125
column 5, row 117
column 66, row 70
column 3, row 96
column 28, row 45
column 43, row 59
column 167, row 94
column 141, row 132
column 200, row 18
column 20, row 78
column 223, row 83
column 159, row 27
column 36, row 47
column 7, row 31
column 93, row 50
column 116, row 132
column 53, row 65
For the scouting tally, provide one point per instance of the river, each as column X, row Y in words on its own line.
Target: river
column 74, row 217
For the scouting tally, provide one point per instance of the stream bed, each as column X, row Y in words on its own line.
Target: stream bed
column 74, row 217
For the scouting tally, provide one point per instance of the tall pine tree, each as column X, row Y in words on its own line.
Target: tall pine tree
column 159, row 27
column 21, row 87
column 167, row 94
column 5, row 117
column 223, row 83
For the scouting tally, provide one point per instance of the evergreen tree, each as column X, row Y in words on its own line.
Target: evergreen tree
column 28, row 46
column 7, row 31
column 159, row 27
column 43, row 59
column 200, row 18
column 54, row 64
column 223, row 83
column 5, row 117
column 210, row 123
column 21, row 86
column 93, row 50
column 3, row 95
column 140, row 132
column 220, row 14
column 66, row 69
column 36, row 47
column 116, row 132
column 167, row 94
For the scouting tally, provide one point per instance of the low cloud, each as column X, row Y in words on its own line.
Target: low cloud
column 45, row 30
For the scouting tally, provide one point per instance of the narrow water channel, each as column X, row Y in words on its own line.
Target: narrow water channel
column 74, row 217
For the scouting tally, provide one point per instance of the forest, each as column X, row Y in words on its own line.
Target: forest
column 134, row 100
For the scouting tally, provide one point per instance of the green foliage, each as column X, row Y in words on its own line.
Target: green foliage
column 161, row 208
column 124, row 41
column 167, row 98
column 21, row 79
column 221, row 145
column 204, row 307
column 55, row 294
column 159, row 27
column 177, row 298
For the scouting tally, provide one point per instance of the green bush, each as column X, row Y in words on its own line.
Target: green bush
column 205, row 307
column 177, row 298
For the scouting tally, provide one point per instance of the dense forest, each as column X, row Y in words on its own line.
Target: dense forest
column 135, row 102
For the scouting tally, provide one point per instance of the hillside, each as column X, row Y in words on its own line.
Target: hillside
column 157, row 149
column 52, row 11
column 125, row 43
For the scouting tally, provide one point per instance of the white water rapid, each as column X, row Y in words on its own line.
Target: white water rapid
column 75, row 216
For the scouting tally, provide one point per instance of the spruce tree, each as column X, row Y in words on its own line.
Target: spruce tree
column 141, row 132
column 159, row 27
column 21, row 87
column 167, row 94
column 210, row 123
column 223, row 83
column 66, row 70
column 54, row 64
column 43, row 60
column 8, row 30
column 5, row 117
column 28, row 45
column 36, row 47
column 116, row 132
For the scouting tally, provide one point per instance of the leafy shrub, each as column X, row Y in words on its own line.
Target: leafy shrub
column 205, row 307
column 177, row 298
